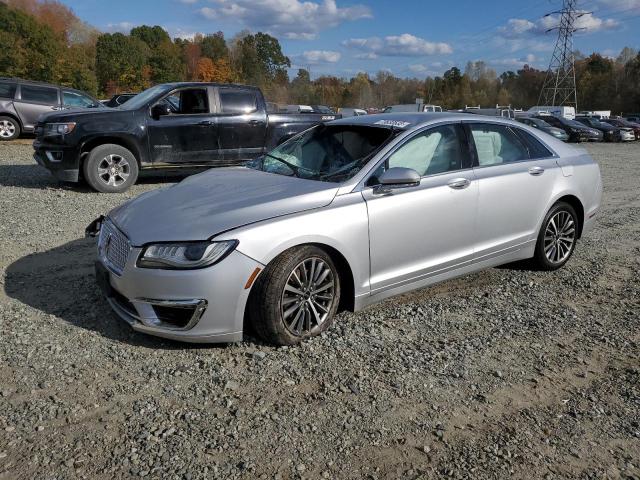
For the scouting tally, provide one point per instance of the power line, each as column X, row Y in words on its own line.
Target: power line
column 559, row 87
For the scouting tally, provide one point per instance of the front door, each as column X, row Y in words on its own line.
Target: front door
column 425, row 230
column 241, row 125
column 33, row 101
column 516, row 175
column 187, row 134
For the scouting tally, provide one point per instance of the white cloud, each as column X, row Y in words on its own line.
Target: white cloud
column 315, row 57
column 518, row 27
column 529, row 59
column 123, row 27
column 294, row 19
column 631, row 6
column 405, row 45
column 418, row 68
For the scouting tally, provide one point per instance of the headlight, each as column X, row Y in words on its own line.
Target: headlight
column 185, row 255
column 59, row 128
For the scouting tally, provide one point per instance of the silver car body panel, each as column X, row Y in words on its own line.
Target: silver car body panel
column 392, row 243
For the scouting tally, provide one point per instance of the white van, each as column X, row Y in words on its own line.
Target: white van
column 558, row 111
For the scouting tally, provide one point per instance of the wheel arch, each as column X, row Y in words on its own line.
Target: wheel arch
column 347, row 285
column 122, row 141
column 577, row 206
column 15, row 117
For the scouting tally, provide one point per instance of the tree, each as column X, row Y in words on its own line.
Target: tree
column 214, row 46
column 164, row 59
column 33, row 49
column 121, row 59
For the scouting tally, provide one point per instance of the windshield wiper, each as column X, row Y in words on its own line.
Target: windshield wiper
column 296, row 169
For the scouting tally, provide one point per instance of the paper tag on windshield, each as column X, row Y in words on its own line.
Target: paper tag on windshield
column 392, row 123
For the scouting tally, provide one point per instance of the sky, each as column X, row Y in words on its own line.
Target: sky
column 409, row 38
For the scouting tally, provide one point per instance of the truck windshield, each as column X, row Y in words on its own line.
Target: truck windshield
column 143, row 98
column 330, row 153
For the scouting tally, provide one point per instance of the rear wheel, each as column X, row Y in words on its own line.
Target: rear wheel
column 9, row 128
column 557, row 237
column 296, row 296
column 110, row 168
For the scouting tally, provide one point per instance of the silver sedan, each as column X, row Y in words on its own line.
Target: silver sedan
column 340, row 217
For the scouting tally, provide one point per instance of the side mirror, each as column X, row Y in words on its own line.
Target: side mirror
column 397, row 177
column 158, row 110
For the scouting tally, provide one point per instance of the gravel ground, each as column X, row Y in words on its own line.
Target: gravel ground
column 507, row 372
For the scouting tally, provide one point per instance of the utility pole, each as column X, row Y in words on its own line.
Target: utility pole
column 559, row 87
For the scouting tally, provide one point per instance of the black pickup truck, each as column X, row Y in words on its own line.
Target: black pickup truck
column 171, row 126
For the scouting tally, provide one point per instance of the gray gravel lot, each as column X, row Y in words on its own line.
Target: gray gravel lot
column 507, row 372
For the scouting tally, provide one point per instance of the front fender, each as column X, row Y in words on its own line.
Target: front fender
column 342, row 225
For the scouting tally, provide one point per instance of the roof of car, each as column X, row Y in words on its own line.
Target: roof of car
column 407, row 121
column 212, row 84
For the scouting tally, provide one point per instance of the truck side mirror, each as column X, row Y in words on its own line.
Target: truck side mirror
column 158, row 110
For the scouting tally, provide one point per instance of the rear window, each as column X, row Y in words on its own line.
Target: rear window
column 535, row 146
column 237, row 101
column 31, row 93
column 7, row 90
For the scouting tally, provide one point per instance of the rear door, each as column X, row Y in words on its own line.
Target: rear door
column 241, row 124
column 187, row 135
column 33, row 101
column 516, row 174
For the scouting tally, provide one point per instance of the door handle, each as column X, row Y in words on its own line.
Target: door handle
column 459, row 183
column 536, row 171
column 205, row 123
column 253, row 123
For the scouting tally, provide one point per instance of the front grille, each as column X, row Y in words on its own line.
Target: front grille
column 176, row 316
column 113, row 246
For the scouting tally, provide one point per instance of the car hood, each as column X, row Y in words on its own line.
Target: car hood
column 215, row 201
column 73, row 114
column 555, row 131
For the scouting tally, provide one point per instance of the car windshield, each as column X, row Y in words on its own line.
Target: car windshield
column 143, row 98
column 329, row 153
column 574, row 123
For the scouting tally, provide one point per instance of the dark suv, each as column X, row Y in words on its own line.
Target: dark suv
column 22, row 102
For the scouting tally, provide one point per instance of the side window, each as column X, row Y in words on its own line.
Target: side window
column 73, row 99
column 237, row 101
column 497, row 144
column 188, row 102
column 7, row 90
column 32, row 93
column 437, row 150
column 536, row 148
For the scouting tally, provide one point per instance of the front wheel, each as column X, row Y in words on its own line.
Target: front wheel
column 110, row 168
column 9, row 128
column 296, row 296
column 557, row 237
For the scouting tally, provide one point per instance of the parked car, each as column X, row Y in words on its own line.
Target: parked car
column 625, row 125
column 342, row 216
column 633, row 118
column 609, row 132
column 23, row 101
column 118, row 99
column 402, row 108
column 173, row 125
column 322, row 109
column 545, row 127
column 351, row 112
column 558, row 111
column 577, row 131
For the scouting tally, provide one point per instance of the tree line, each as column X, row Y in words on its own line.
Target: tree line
column 49, row 43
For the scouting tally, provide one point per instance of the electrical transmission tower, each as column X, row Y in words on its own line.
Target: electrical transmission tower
column 560, row 84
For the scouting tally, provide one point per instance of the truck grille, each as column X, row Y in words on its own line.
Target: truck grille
column 113, row 246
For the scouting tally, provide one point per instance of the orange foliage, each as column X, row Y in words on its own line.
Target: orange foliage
column 209, row 71
column 50, row 12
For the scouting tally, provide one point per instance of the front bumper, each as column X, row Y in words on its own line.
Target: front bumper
column 62, row 161
column 214, row 297
column 627, row 136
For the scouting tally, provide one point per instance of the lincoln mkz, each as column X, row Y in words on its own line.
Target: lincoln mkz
column 341, row 216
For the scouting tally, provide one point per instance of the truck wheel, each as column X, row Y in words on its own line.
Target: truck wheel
column 9, row 128
column 110, row 168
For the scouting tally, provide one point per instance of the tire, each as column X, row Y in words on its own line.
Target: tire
column 555, row 243
column 9, row 128
column 286, row 317
column 110, row 168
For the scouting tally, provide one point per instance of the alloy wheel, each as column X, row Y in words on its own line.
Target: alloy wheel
column 559, row 237
column 308, row 296
column 7, row 129
column 114, row 170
